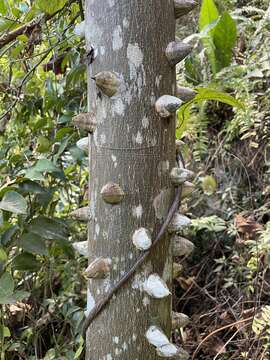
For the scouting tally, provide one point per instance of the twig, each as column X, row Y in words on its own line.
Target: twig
column 216, row 331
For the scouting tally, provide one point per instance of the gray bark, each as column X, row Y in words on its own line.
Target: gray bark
column 135, row 148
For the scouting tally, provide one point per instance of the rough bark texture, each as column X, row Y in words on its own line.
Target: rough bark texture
column 133, row 147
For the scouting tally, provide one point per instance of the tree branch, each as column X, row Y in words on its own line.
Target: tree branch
column 12, row 35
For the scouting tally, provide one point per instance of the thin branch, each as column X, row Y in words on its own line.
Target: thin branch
column 12, row 35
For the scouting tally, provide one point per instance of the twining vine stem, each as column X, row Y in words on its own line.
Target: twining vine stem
column 143, row 257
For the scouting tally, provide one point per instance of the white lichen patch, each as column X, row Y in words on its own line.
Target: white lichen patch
column 156, row 287
column 145, row 122
column 111, row 3
column 118, row 106
column 135, row 55
column 156, row 337
column 97, row 229
column 102, row 139
column 138, row 282
column 137, row 211
column 116, row 339
column 136, row 69
column 117, row 42
column 163, row 167
column 158, row 80
column 109, row 357
column 125, row 23
column 142, row 239
column 138, row 139
column 146, row 301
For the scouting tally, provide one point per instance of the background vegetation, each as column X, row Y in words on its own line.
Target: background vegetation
column 225, row 284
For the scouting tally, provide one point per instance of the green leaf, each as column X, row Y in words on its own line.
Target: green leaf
column 3, row 7
column 3, row 256
column 203, row 94
column 212, row 94
column 14, row 202
column 42, row 166
column 50, row 7
column 43, row 144
column 7, row 236
column 6, row 286
column 209, row 185
column 224, row 38
column 183, row 116
column 26, row 262
column 33, row 243
column 6, row 24
column 51, row 229
column 209, row 14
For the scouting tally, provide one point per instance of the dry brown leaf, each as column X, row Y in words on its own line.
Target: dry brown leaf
column 247, row 226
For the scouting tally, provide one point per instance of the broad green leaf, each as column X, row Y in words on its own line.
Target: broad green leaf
column 203, row 94
column 32, row 187
column 224, row 38
column 43, row 144
column 51, row 229
column 26, row 262
column 209, row 13
column 6, row 286
column 13, row 298
column 212, row 94
column 14, row 202
column 7, row 236
column 43, row 166
column 4, row 331
column 34, row 244
column 51, row 6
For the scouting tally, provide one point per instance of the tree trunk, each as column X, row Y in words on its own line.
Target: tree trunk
column 134, row 148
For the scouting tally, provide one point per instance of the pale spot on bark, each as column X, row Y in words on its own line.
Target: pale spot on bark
column 145, row 122
column 116, row 339
column 111, row 3
column 125, row 23
column 125, row 346
column 103, row 139
column 119, row 106
column 135, row 55
column 146, row 301
column 137, row 211
column 138, row 139
column 117, row 38
column 97, row 229
column 109, row 357
column 157, row 80
column 102, row 50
